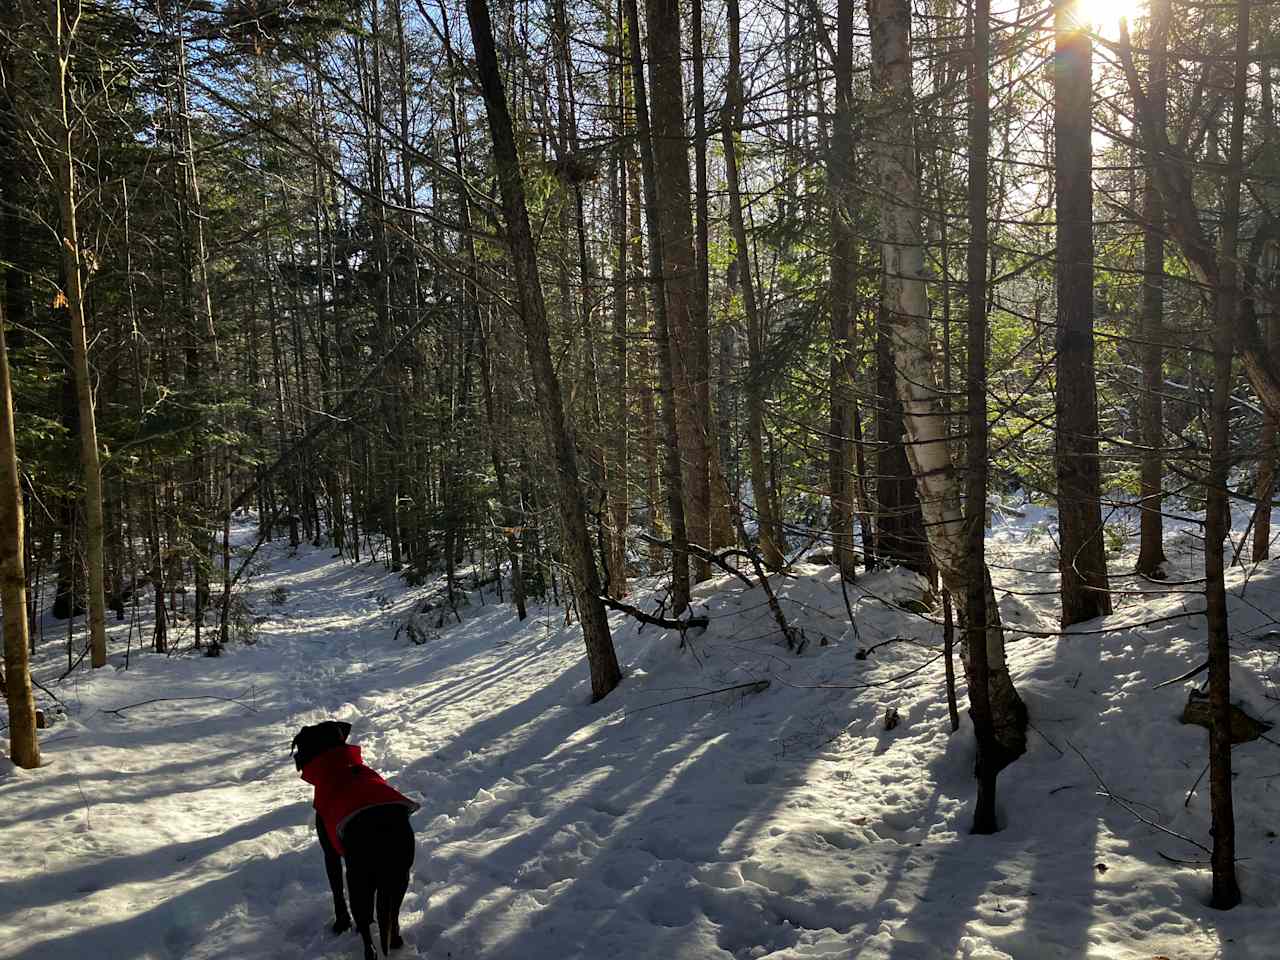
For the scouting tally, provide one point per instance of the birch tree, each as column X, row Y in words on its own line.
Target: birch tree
column 907, row 313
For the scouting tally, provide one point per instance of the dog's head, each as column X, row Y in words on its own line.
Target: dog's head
column 315, row 740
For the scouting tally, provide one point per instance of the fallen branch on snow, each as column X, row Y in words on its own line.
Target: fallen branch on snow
column 239, row 701
column 755, row 686
column 667, row 623
column 1127, row 805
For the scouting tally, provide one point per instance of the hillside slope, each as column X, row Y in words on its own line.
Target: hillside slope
column 786, row 823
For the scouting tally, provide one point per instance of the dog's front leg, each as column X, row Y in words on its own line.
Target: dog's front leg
column 333, row 867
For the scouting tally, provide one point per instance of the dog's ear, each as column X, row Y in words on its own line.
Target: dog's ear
column 345, row 729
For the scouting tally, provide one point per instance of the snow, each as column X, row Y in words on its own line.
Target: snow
column 785, row 823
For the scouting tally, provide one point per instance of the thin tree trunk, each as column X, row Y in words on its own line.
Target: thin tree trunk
column 730, row 120
column 1269, row 454
column 24, row 746
column 840, row 299
column 619, row 499
column 64, row 162
column 1226, row 890
column 605, row 673
column 1151, row 557
column 981, row 614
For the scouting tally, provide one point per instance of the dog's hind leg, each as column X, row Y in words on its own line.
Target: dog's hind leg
column 333, row 867
column 361, row 882
column 393, row 880
column 391, row 891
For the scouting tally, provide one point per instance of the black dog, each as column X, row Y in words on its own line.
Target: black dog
column 360, row 819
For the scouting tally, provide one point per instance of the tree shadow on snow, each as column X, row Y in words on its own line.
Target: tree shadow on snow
column 156, row 863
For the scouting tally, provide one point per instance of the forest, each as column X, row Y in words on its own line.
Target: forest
column 934, row 327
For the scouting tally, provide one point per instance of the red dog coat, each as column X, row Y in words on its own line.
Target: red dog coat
column 345, row 786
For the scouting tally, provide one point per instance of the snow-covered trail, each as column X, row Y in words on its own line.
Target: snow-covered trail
column 786, row 823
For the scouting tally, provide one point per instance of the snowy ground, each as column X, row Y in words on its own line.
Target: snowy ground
column 786, row 823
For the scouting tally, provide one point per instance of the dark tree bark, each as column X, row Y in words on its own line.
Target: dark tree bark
column 1217, row 522
column 1082, row 559
column 840, row 299
column 770, row 537
column 672, row 474
column 899, row 524
column 991, row 757
column 63, row 161
column 1151, row 558
column 686, row 312
column 603, row 662
column 24, row 746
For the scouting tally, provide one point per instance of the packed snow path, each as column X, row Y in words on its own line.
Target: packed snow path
column 786, row 823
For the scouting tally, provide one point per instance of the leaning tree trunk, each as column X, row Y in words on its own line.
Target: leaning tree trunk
column 24, row 747
column 64, row 162
column 907, row 313
column 1081, row 558
column 603, row 662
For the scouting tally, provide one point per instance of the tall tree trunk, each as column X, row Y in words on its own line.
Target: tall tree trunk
column 924, row 420
column 24, row 747
column 720, row 519
column 1269, row 453
column 1217, row 523
column 1082, row 559
column 603, row 662
column 840, row 299
column 981, row 614
column 64, row 163
column 1151, row 558
column 619, row 499
column 648, row 413
column 663, row 347
column 686, row 312
column 730, row 120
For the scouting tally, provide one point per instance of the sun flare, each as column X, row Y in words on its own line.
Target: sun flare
column 1104, row 16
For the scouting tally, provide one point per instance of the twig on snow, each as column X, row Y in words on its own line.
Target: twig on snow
column 1192, row 791
column 1046, row 739
column 1127, row 805
column 860, row 686
column 239, row 701
column 50, row 693
column 755, row 686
